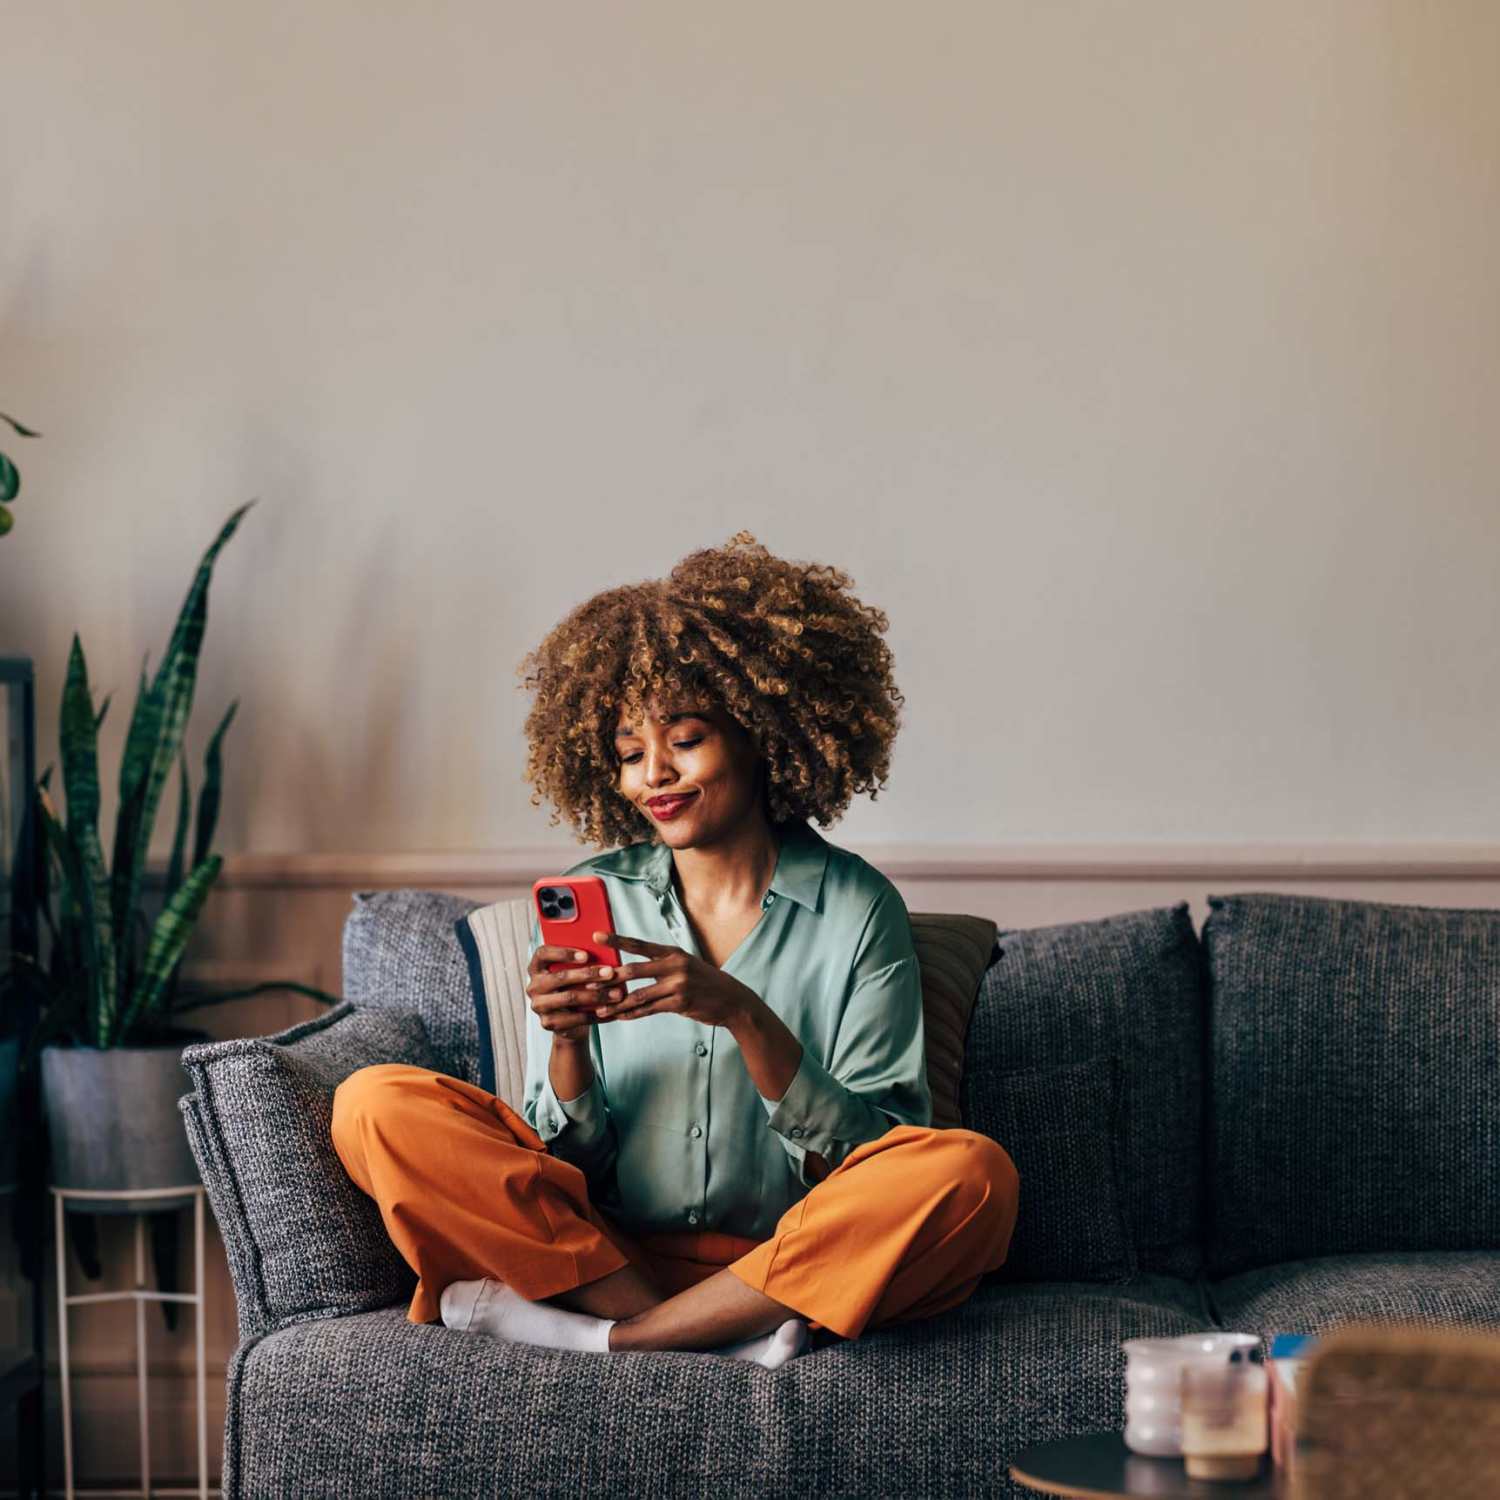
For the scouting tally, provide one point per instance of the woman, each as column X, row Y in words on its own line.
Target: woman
column 727, row 1139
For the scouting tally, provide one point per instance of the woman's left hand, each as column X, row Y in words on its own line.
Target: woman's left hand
column 685, row 985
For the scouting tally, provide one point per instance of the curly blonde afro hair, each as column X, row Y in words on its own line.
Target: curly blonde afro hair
column 781, row 647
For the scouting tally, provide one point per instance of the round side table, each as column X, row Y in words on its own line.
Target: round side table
column 1100, row 1466
column 65, row 1198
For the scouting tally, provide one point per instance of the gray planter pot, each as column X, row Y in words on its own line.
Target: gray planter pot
column 10, row 1127
column 114, row 1123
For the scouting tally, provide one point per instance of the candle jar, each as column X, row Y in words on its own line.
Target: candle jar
column 1222, row 1393
column 1153, row 1395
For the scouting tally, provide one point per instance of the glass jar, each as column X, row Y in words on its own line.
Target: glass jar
column 1222, row 1404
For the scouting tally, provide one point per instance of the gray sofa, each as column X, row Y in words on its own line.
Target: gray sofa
column 1287, row 1122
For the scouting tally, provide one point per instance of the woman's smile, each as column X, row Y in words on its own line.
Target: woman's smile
column 664, row 808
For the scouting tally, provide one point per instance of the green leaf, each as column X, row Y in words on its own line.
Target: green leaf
column 24, row 431
column 80, row 760
column 82, row 932
column 179, row 839
column 6, row 519
column 167, row 703
column 103, row 709
column 10, row 479
column 168, row 938
column 213, row 778
column 179, row 848
column 135, row 761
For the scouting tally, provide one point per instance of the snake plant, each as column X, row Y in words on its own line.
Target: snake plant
column 112, row 977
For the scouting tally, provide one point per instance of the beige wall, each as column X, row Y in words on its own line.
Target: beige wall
column 1140, row 359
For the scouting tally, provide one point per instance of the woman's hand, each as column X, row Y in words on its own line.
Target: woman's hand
column 685, row 985
column 564, row 1002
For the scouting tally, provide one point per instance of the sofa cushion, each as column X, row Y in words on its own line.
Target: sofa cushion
column 496, row 944
column 400, row 953
column 1355, row 1078
column 952, row 953
column 1126, row 987
column 1061, row 1126
column 375, row 1405
column 1312, row 1296
column 302, row 1239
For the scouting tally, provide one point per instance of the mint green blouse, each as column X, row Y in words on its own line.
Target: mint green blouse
column 673, row 1134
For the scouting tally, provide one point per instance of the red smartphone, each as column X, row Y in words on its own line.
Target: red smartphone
column 570, row 910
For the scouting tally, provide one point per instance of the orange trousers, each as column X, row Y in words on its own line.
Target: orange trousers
column 902, row 1228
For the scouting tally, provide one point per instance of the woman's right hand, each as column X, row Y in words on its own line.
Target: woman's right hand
column 564, row 1002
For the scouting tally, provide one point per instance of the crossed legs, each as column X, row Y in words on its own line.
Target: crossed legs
column 903, row 1227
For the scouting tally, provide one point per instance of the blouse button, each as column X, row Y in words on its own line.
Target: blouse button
column 693, row 1216
column 697, row 1130
column 796, row 1130
column 701, row 1050
column 769, row 898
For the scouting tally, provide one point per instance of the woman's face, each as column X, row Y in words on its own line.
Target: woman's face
column 698, row 753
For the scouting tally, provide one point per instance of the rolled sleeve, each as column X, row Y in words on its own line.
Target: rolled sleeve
column 876, row 1074
column 821, row 1115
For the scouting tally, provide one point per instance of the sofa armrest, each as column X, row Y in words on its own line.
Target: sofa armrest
column 302, row 1239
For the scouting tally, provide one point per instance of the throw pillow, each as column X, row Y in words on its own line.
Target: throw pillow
column 303, row 1239
column 496, row 941
column 953, row 952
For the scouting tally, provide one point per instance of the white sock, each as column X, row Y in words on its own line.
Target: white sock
column 775, row 1348
column 490, row 1306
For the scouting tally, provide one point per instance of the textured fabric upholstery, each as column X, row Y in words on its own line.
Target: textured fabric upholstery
column 1311, row 1296
column 401, row 953
column 378, row 1407
column 1356, row 1078
column 302, row 1240
column 1061, row 1127
column 1128, row 987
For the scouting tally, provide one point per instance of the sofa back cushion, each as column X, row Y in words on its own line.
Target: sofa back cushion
column 1084, row 1060
column 400, row 954
column 1355, row 1078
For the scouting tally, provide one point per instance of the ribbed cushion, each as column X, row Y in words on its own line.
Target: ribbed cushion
column 953, row 952
column 496, row 941
column 1060, row 1126
column 400, row 953
column 1355, row 1077
column 303, row 1240
column 1129, row 987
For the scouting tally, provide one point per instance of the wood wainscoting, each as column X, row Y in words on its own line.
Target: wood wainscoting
column 281, row 917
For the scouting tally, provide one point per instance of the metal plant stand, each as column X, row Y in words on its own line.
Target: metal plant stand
column 140, row 1296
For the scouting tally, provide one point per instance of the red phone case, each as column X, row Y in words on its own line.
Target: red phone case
column 592, row 914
